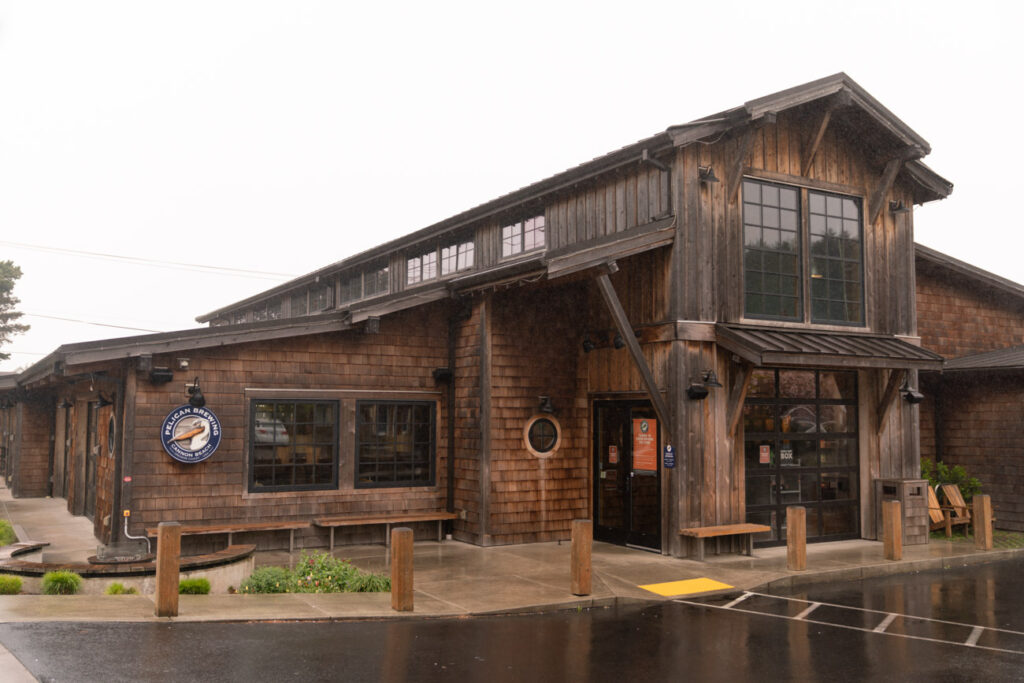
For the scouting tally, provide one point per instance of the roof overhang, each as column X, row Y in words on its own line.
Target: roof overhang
column 817, row 348
column 1000, row 359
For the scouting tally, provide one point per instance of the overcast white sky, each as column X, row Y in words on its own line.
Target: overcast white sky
column 279, row 137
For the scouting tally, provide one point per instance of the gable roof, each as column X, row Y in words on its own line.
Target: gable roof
column 839, row 88
column 930, row 258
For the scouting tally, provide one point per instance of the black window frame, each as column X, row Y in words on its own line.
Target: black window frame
column 334, row 442
column 821, row 279
column 381, row 429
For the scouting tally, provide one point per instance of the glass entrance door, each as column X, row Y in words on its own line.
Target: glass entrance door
column 800, row 448
column 627, row 478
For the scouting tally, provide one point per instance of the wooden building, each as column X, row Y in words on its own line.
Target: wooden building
column 974, row 410
column 740, row 288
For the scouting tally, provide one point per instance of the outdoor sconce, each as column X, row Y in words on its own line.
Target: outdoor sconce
column 65, row 403
column 442, row 375
column 698, row 391
column 161, row 375
column 910, row 395
column 104, row 401
column 898, row 207
column 588, row 344
column 618, row 342
column 545, row 405
column 707, row 174
column 195, row 395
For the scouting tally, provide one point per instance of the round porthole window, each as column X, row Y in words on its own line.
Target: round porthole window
column 543, row 435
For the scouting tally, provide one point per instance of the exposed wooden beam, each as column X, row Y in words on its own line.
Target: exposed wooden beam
column 888, row 178
column 812, row 149
column 735, row 171
column 896, row 377
column 737, row 396
column 611, row 300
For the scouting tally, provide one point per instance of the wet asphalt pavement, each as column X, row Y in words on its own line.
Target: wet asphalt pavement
column 827, row 633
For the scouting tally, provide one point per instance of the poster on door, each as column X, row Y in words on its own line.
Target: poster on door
column 645, row 445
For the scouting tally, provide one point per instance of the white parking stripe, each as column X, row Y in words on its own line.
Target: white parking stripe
column 971, row 641
column 803, row 615
column 885, row 623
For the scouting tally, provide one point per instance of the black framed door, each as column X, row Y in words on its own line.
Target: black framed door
column 801, row 448
column 627, row 475
column 92, row 456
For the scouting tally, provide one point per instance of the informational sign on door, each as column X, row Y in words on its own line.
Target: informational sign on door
column 613, row 455
column 764, row 455
column 645, row 445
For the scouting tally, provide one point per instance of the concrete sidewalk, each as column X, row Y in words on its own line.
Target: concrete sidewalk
column 457, row 579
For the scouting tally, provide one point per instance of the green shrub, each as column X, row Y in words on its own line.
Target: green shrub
column 316, row 573
column 194, row 587
column 9, row 585
column 120, row 589
column 7, row 535
column 61, row 582
column 939, row 473
column 268, row 580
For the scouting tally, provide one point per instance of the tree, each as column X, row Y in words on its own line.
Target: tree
column 9, row 325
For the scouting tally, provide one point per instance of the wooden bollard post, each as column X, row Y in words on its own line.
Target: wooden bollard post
column 168, row 565
column 401, row 569
column 582, row 540
column 796, row 538
column 982, row 522
column 892, row 529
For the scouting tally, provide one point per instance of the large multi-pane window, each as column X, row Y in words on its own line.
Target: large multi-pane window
column 775, row 239
column 293, row 445
column 376, row 282
column 321, row 297
column 522, row 236
column 800, row 448
column 394, row 443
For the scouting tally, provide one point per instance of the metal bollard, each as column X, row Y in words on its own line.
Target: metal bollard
column 582, row 541
column 168, row 566
column 401, row 569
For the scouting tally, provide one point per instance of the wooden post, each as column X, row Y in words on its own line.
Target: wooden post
column 168, row 565
column 582, row 540
column 892, row 529
column 796, row 538
column 982, row 522
column 401, row 569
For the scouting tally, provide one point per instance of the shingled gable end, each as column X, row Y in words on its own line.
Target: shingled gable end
column 740, row 288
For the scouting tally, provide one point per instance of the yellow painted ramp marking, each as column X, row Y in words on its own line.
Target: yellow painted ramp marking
column 688, row 587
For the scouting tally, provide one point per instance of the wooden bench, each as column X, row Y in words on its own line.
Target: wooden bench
column 386, row 518
column 746, row 530
column 240, row 527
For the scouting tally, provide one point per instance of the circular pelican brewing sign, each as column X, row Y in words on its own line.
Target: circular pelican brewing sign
column 190, row 434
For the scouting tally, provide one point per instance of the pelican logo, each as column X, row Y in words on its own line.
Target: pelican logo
column 190, row 434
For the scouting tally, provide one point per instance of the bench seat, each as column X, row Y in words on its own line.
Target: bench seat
column 233, row 528
column 747, row 530
column 386, row 518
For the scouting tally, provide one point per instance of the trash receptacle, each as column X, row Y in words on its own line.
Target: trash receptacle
column 913, row 497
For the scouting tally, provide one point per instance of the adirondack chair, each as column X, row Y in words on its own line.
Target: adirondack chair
column 960, row 509
column 941, row 517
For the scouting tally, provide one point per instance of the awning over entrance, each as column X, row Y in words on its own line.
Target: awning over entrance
column 816, row 348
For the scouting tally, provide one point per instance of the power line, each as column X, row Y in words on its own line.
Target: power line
column 175, row 265
column 87, row 322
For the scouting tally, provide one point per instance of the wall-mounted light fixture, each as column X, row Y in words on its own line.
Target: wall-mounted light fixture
column 442, row 375
column 911, row 395
column 588, row 344
column 545, row 405
column 104, row 401
column 698, row 391
column 707, row 174
column 65, row 403
column 618, row 342
column 195, row 395
column 898, row 207
column 183, row 363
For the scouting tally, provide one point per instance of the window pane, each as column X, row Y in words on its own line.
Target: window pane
column 772, row 248
column 796, row 383
column 837, row 259
column 394, row 443
column 285, row 445
column 762, row 383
